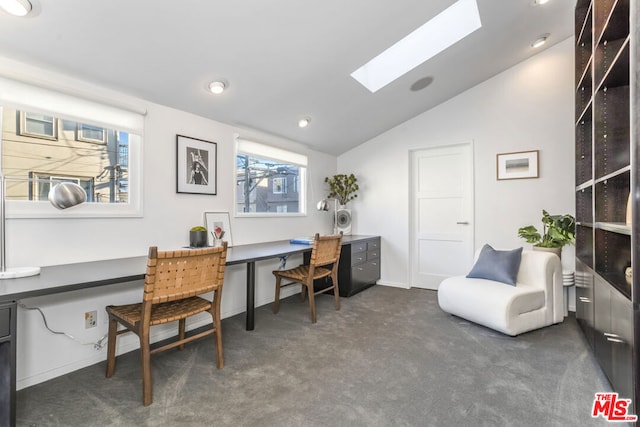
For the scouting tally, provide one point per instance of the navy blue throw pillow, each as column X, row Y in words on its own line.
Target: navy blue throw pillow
column 501, row 266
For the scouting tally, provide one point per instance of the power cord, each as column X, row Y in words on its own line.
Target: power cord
column 283, row 262
column 96, row 345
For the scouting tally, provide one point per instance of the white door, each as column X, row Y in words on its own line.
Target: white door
column 442, row 214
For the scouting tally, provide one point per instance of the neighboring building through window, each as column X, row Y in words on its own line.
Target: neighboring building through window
column 269, row 180
column 46, row 150
column 49, row 136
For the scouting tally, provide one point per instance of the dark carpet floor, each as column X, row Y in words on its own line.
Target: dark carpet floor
column 389, row 357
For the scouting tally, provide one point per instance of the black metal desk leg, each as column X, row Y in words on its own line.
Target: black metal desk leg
column 251, row 293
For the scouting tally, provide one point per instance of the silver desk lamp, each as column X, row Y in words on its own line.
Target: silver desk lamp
column 62, row 196
column 323, row 205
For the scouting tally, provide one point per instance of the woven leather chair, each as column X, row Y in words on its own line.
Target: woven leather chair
column 172, row 283
column 325, row 256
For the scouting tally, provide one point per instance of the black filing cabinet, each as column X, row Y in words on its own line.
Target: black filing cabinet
column 7, row 363
column 359, row 266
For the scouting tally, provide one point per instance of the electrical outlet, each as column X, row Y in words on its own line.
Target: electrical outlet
column 90, row 319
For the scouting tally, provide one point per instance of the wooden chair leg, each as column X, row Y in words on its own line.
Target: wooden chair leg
column 218, row 325
column 312, row 303
column 111, row 347
column 145, row 359
column 276, row 302
column 303, row 292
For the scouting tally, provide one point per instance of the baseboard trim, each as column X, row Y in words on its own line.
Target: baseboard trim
column 393, row 284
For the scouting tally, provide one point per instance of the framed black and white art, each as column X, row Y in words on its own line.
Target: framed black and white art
column 196, row 165
column 520, row 165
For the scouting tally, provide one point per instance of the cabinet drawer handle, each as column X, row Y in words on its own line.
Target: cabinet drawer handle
column 360, row 269
column 609, row 334
column 585, row 300
column 615, row 340
column 374, row 263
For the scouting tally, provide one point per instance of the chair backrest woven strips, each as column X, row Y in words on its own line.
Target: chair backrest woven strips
column 326, row 249
column 173, row 275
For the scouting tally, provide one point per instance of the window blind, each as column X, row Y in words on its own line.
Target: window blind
column 269, row 152
column 32, row 98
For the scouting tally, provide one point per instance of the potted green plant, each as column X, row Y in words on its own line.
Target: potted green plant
column 198, row 237
column 557, row 231
column 342, row 187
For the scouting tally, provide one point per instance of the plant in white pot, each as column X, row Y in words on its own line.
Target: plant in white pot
column 557, row 231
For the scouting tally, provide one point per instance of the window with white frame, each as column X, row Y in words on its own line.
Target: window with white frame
column 88, row 133
column 269, row 180
column 49, row 137
column 38, row 125
column 279, row 185
column 42, row 183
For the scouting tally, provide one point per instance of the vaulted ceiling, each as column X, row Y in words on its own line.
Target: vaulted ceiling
column 281, row 59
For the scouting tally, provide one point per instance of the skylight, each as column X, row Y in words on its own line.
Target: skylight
column 445, row 29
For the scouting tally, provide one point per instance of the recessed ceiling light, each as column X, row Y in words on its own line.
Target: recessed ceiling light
column 442, row 31
column 217, row 87
column 16, row 7
column 537, row 2
column 304, row 122
column 540, row 41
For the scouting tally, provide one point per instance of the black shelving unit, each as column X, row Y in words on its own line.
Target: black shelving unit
column 606, row 176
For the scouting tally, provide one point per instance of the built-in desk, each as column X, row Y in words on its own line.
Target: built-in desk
column 85, row 275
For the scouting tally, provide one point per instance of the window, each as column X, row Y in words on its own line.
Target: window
column 88, row 133
column 42, row 183
column 38, row 125
column 35, row 166
column 269, row 180
column 54, row 137
column 280, row 185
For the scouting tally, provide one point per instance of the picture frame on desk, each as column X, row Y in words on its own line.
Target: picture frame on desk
column 196, row 166
column 218, row 219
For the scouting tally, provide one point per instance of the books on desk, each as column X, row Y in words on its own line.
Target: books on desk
column 302, row 241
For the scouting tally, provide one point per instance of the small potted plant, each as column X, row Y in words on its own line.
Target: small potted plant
column 198, row 237
column 342, row 188
column 557, row 231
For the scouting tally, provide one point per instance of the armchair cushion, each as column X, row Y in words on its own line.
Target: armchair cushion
column 499, row 266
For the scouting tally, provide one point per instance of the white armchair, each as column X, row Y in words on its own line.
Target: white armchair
column 536, row 300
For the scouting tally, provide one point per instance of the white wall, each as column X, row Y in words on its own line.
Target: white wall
column 528, row 107
column 167, row 218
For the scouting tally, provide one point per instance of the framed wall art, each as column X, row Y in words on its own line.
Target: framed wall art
column 218, row 226
column 196, row 165
column 519, row 165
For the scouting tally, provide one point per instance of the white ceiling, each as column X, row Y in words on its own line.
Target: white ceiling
column 282, row 59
